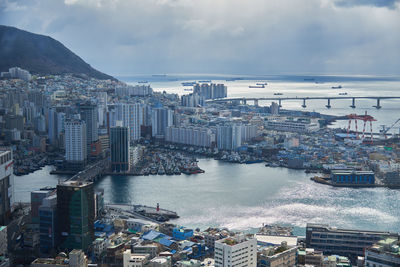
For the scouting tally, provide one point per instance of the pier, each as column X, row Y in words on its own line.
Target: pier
column 245, row 100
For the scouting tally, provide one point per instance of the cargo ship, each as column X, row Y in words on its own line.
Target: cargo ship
column 188, row 83
column 257, row 86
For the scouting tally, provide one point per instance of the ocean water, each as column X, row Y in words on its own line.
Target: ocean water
column 242, row 197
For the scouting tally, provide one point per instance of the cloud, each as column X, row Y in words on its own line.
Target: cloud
column 225, row 36
column 375, row 3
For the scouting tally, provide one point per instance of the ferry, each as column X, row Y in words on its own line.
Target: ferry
column 278, row 94
column 257, row 86
column 337, row 87
column 188, row 83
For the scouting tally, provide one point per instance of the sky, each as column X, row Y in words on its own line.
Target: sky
column 260, row 37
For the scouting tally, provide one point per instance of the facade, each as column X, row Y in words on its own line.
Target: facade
column 119, row 144
column 349, row 243
column 210, row 91
column 36, row 201
column 135, row 260
column 75, row 143
column 182, row 233
column 75, row 201
column 192, row 100
column 384, row 253
column 56, row 123
column 274, row 108
column 348, row 177
column 47, row 224
column 194, row 136
column 160, row 120
column 236, row 251
column 3, row 240
column 229, row 137
column 131, row 116
column 277, row 256
column 89, row 115
column 292, row 125
column 6, row 185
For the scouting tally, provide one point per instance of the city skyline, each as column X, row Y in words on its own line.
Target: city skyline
column 256, row 37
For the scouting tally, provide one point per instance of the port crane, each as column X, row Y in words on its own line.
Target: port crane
column 385, row 130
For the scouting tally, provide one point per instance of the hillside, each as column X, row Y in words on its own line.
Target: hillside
column 40, row 54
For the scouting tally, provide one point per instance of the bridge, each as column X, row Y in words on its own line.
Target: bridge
column 243, row 100
column 92, row 172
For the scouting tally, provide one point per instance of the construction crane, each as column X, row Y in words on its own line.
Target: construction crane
column 385, row 130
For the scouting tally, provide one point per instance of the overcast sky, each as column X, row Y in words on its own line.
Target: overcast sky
column 122, row 37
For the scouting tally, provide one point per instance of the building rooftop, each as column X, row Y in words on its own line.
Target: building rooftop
column 276, row 240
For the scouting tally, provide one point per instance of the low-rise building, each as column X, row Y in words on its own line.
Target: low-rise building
column 385, row 253
column 282, row 255
column 135, row 260
column 344, row 242
column 161, row 262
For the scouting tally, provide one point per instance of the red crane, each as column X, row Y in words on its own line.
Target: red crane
column 365, row 118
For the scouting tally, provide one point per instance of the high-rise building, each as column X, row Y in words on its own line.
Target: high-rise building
column 56, row 124
column 89, row 116
column 210, row 91
column 119, row 145
column 236, row 251
column 195, row 136
column 6, row 185
column 75, row 207
column 274, row 108
column 229, row 137
column 75, row 143
column 131, row 116
column 161, row 119
column 47, row 224
column 36, row 201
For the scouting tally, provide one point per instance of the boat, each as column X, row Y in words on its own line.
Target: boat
column 188, row 83
column 342, row 93
column 257, row 86
column 336, row 87
column 205, row 81
column 261, row 83
column 278, row 94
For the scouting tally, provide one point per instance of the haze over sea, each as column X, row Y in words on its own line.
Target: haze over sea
column 240, row 196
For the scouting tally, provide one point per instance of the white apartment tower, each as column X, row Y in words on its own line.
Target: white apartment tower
column 131, row 116
column 75, row 141
column 237, row 251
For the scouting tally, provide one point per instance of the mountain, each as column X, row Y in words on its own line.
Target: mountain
column 40, row 54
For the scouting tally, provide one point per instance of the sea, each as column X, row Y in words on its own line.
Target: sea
column 246, row 196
